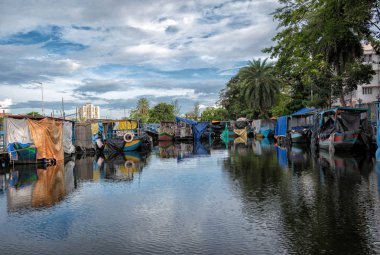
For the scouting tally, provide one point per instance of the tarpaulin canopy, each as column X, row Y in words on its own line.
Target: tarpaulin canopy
column 68, row 146
column 18, row 131
column 47, row 135
column 281, row 126
column 190, row 122
column 198, row 127
column 304, row 111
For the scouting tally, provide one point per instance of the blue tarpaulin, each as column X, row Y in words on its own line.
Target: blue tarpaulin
column 281, row 126
column 198, row 127
column 303, row 111
column 282, row 157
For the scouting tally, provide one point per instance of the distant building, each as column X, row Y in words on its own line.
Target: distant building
column 89, row 111
column 367, row 95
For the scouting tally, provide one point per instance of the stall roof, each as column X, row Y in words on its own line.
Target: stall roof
column 34, row 117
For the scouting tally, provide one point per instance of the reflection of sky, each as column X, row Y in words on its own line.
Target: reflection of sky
column 195, row 206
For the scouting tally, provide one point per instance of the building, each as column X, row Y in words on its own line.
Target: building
column 89, row 111
column 367, row 95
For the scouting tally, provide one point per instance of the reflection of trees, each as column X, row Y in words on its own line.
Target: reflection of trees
column 321, row 204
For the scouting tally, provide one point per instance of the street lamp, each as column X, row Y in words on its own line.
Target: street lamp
column 42, row 94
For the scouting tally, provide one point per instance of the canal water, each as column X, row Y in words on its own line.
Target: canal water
column 240, row 198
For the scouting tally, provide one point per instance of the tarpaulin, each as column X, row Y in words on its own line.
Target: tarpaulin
column 282, row 157
column 127, row 125
column 21, row 151
column 47, row 135
column 241, row 132
column 256, row 125
column 83, row 136
column 200, row 149
column 198, row 129
column 281, row 126
column 304, row 111
column 94, row 128
column 18, row 131
column 68, row 146
column 187, row 121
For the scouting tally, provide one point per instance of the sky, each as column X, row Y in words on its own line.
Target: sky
column 111, row 53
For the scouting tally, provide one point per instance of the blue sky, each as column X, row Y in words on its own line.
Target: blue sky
column 112, row 53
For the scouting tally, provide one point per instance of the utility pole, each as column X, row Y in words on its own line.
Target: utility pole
column 42, row 95
column 63, row 109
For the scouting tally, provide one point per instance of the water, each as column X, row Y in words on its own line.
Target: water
column 245, row 199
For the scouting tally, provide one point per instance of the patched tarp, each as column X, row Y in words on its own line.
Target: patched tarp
column 47, row 135
column 83, row 136
column 198, row 127
column 21, row 151
column 68, row 146
column 281, row 126
column 18, row 131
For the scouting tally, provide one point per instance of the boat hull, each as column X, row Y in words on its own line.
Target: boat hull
column 340, row 143
column 133, row 145
column 299, row 138
column 165, row 137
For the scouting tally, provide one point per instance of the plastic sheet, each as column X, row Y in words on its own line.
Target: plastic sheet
column 47, row 135
column 68, row 146
column 18, row 131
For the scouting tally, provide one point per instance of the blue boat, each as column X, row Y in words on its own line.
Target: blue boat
column 300, row 125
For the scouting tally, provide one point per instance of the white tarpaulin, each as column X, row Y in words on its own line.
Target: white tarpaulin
column 68, row 146
column 18, row 131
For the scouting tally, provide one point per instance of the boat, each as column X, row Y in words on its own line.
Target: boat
column 300, row 125
column 190, row 129
column 126, row 135
column 241, row 127
column 167, row 131
column 263, row 128
column 342, row 128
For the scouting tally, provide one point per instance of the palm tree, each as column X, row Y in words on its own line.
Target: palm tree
column 260, row 85
column 143, row 109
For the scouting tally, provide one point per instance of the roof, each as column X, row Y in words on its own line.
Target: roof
column 345, row 109
column 33, row 117
column 304, row 111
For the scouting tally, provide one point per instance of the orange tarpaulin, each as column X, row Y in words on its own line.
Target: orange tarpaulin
column 47, row 135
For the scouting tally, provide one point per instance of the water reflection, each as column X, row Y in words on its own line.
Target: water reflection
column 253, row 197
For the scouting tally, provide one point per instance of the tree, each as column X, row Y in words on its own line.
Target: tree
column 161, row 112
column 213, row 113
column 324, row 33
column 35, row 114
column 260, row 85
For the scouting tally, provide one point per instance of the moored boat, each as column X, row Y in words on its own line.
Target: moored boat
column 167, row 131
column 300, row 125
column 343, row 128
column 264, row 128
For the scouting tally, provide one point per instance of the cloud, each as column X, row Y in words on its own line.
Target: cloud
column 109, row 52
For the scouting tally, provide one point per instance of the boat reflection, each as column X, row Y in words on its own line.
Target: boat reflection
column 31, row 187
column 123, row 167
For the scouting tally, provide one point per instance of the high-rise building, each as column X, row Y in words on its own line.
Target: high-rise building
column 89, row 111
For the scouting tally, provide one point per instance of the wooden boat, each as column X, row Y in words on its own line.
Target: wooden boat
column 126, row 135
column 300, row 125
column 167, row 131
column 343, row 128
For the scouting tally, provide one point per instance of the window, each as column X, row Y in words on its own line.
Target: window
column 367, row 91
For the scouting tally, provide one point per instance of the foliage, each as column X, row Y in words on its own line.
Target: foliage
column 161, row 112
column 260, row 85
column 141, row 112
column 324, row 37
column 213, row 113
column 36, row 114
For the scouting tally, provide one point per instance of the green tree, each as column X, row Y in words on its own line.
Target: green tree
column 35, row 114
column 317, row 33
column 213, row 113
column 260, row 84
column 161, row 112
